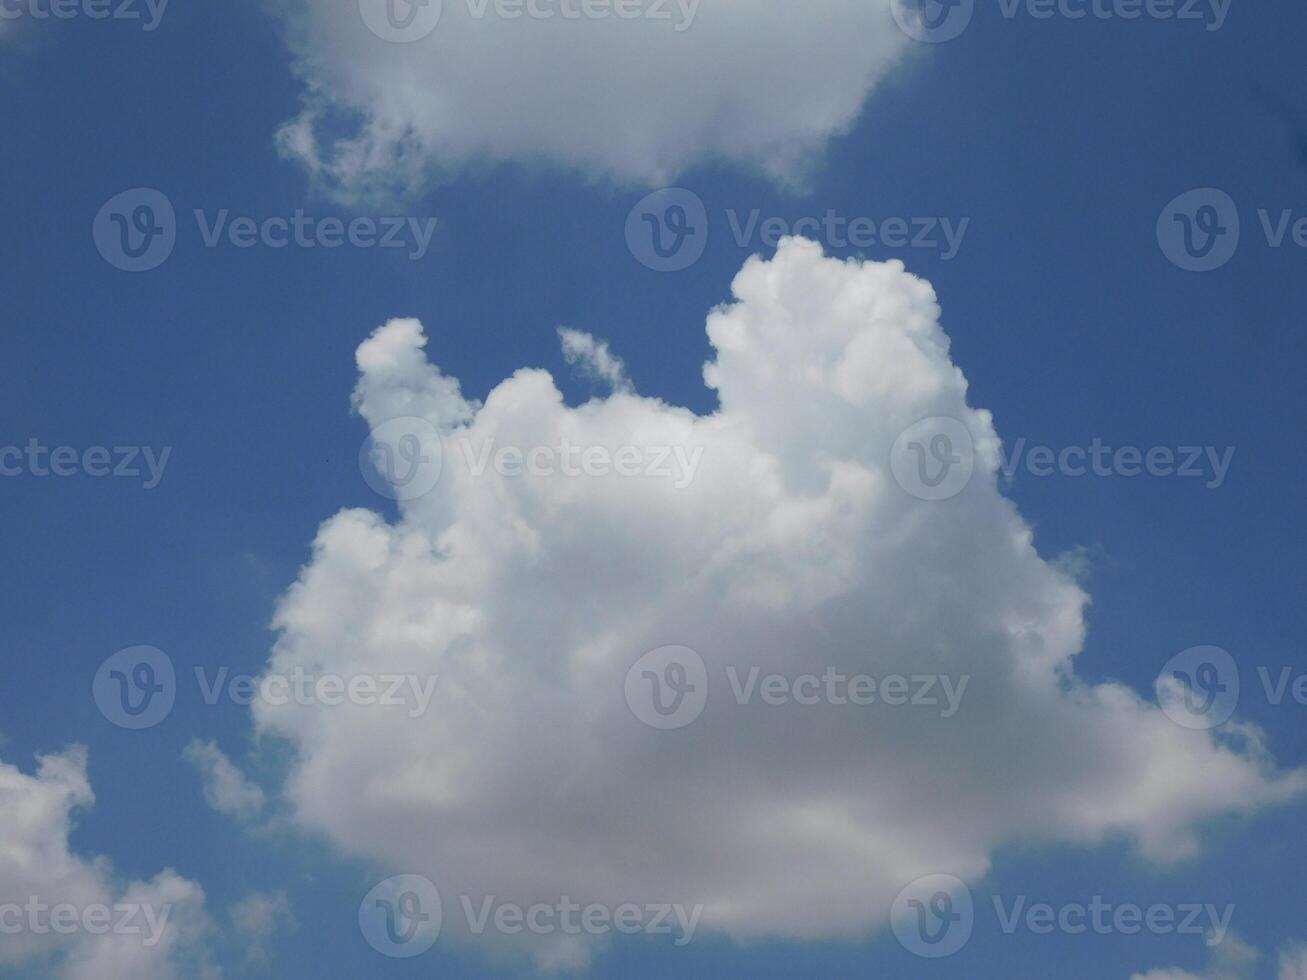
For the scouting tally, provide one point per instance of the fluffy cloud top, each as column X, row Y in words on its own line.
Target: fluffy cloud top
column 793, row 550
column 760, row 82
column 37, row 865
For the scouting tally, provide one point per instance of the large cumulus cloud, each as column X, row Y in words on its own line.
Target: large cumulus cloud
column 759, row 82
column 793, row 549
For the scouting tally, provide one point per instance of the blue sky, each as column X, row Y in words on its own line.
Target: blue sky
column 1059, row 140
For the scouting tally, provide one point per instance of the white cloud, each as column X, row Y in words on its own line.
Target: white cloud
column 794, row 550
column 594, row 358
column 764, row 83
column 1293, row 962
column 1236, row 960
column 225, row 787
column 37, row 870
column 257, row 919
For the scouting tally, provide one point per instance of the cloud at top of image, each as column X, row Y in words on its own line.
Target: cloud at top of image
column 399, row 96
column 794, row 549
